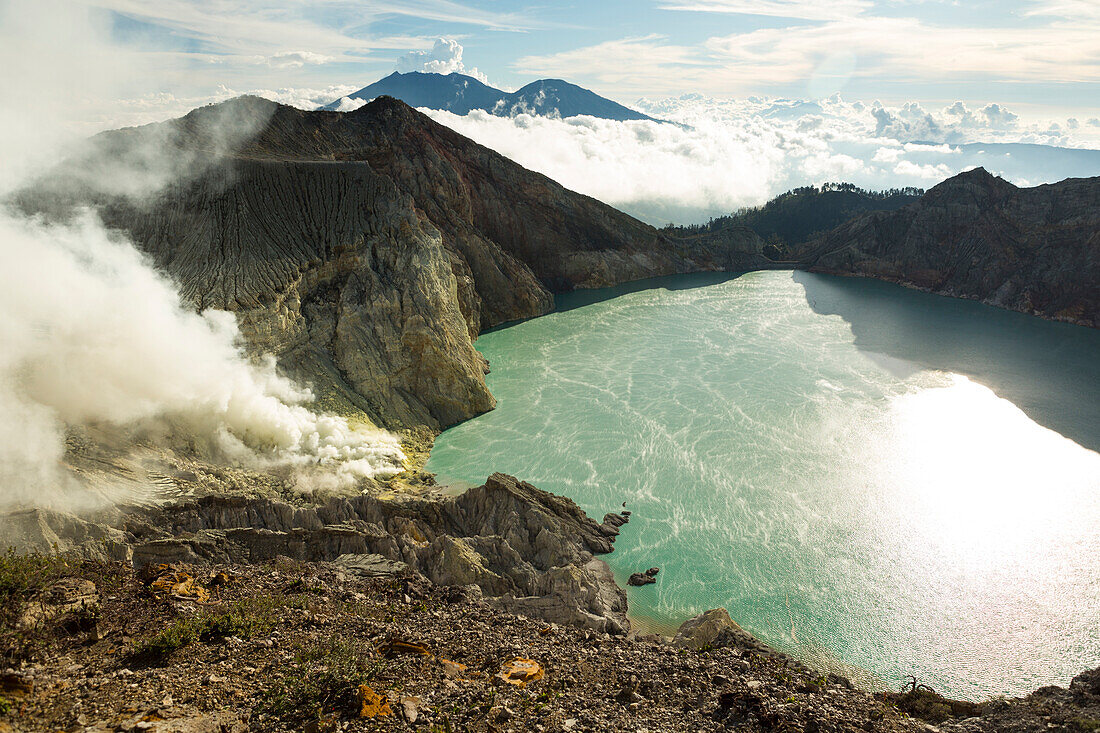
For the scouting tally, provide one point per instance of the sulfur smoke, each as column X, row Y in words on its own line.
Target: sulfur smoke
column 94, row 335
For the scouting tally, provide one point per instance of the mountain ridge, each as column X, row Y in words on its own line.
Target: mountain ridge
column 1035, row 250
column 462, row 94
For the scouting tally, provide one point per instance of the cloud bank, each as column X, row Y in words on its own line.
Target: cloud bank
column 725, row 154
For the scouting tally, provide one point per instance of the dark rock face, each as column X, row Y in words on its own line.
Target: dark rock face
column 367, row 249
column 1035, row 250
column 333, row 270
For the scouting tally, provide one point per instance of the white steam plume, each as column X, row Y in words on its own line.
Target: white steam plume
column 93, row 334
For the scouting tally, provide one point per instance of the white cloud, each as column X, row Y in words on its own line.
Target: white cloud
column 954, row 123
column 929, row 172
column 829, row 55
column 295, row 59
column 804, row 9
column 662, row 171
column 726, row 154
column 445, row 57
column 887, row 155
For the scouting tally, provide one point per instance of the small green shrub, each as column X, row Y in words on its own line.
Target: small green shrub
column 21, row 576
column 323, row 680
column 253, row 617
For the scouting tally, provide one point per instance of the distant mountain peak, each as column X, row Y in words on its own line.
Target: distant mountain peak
column 461, row 94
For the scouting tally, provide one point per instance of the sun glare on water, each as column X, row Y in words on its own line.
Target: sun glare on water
column 979, row 477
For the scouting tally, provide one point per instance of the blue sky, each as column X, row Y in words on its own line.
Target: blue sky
column 886, row 73
column 1034, row 55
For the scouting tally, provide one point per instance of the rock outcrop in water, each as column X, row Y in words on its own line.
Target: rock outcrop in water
column 1035, row 250
column 365, row 249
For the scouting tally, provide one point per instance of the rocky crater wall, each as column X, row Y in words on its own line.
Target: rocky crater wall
column 1035, row 250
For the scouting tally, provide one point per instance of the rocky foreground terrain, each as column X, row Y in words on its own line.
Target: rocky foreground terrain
column 488, row 611
column 354, row 644
column 1035, row 250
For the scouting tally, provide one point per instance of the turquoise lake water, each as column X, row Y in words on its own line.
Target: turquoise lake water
column 879, row 481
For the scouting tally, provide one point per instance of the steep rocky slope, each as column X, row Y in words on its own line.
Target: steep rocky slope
column 365, row 249
column 1035, row 250
column 318, row 647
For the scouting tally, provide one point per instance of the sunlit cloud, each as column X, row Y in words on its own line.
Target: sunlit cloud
column 896, row 49
column 804, row 9
column 445, row 57
column 726, row 154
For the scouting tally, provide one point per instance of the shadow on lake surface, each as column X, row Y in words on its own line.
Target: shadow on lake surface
column 581, row 298
column 1049, row 370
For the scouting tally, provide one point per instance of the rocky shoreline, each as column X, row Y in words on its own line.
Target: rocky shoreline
column 979, row 237
column 204, row 614
column 523, row 549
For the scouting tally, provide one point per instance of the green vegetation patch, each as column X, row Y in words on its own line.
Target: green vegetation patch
column 323, row 681
column 794, row 217
column 21, row 577
column 252, row 617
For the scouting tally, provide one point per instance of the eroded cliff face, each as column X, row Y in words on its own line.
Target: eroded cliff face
column 333, row 270
column 366, row 250
column 1035, row 250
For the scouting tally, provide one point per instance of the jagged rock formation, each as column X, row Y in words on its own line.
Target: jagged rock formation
column 528, row 551
column 366, row 249
column 713, row 629
column 1035, row 250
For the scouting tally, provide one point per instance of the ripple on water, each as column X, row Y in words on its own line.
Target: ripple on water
column 808, row 453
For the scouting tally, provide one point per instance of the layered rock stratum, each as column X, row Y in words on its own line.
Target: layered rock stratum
column 524, row 549
column 1035, row 250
